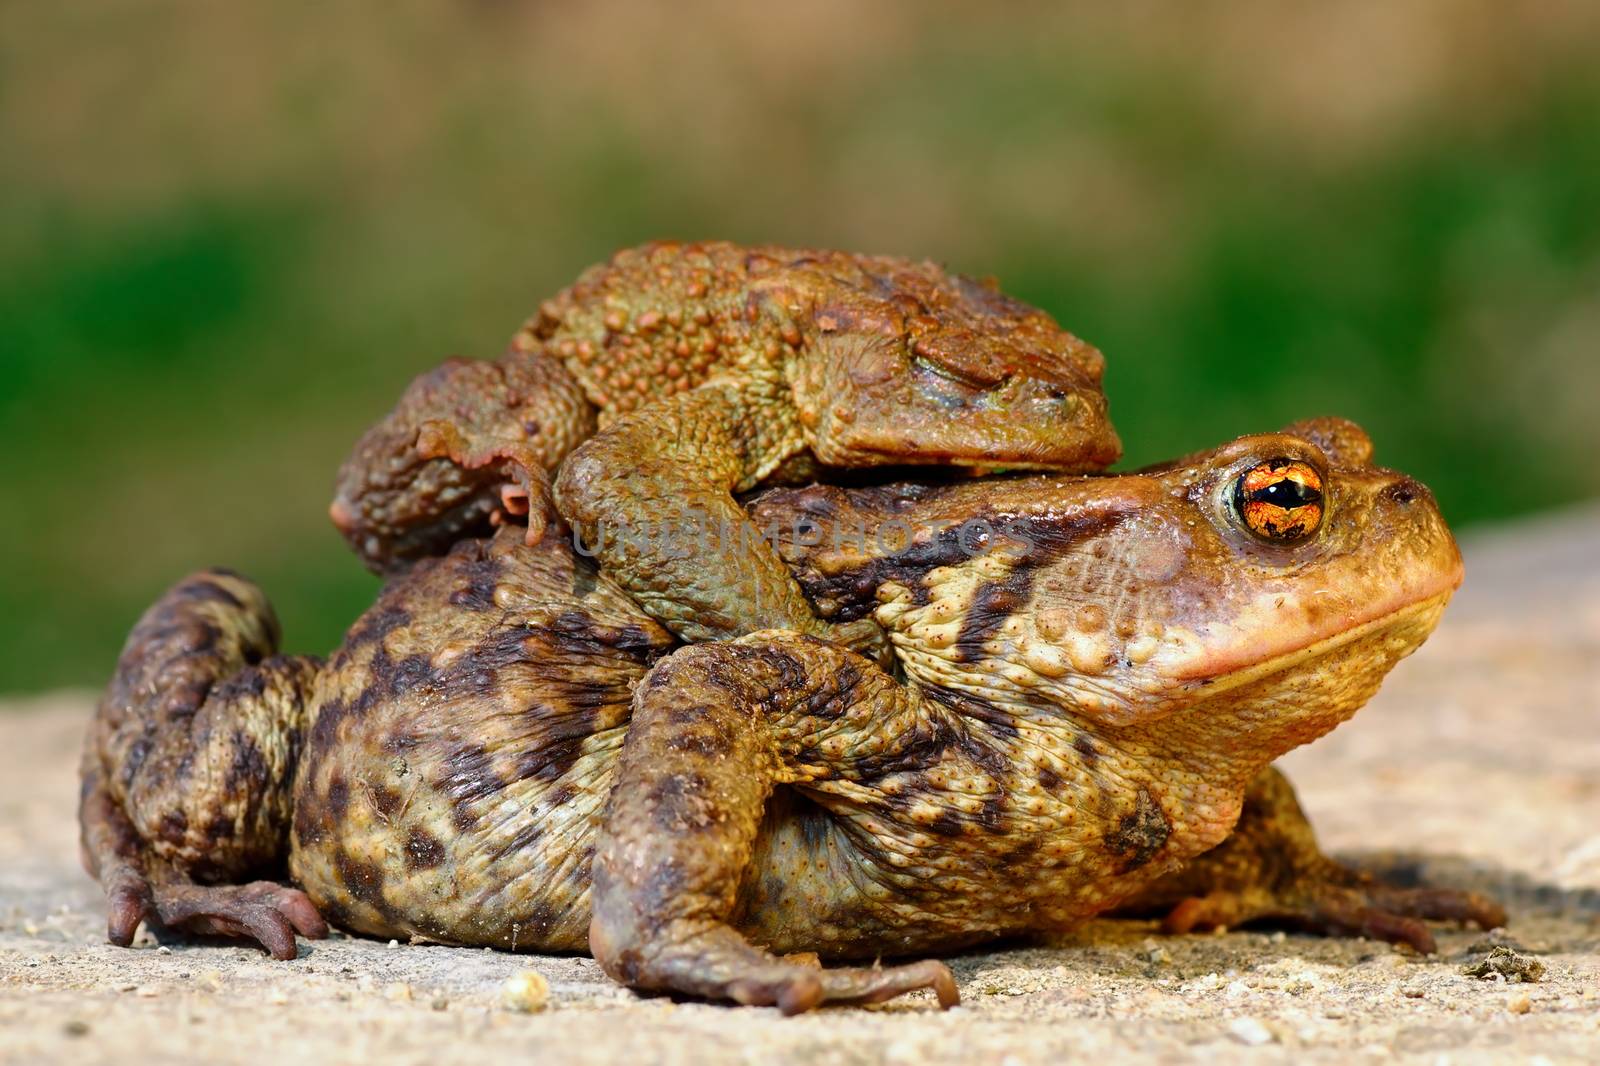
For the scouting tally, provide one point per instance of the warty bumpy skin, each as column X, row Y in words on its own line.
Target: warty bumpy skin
column 675, row 375
column 1092, row 675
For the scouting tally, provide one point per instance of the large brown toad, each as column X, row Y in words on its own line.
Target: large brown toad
column 507, row 751
column 709, row 369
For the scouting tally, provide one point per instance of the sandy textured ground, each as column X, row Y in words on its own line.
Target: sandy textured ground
column 1479, row 762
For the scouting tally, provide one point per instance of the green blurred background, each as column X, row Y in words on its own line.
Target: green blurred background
column 230, row 234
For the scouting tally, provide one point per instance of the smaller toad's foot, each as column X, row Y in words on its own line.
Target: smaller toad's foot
column 1342, row 903
column 525, row 495
column 268, row 913
column 430, row 473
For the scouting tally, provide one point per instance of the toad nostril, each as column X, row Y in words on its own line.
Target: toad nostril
column 1403, row 492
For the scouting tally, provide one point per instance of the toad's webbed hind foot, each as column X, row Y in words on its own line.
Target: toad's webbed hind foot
column 268, row 913
column 1270, row 871
column 1339, row 902
column 188, row 768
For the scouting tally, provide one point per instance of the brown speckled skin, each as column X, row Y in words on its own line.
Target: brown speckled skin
column 1088, row 694
column 714, row 368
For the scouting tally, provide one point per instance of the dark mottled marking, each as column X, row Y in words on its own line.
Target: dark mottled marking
column 678, row 713
column 220, row 828
column 207, row 592
column 992, row 815
column 550, row 759
column 579, row 634
column 946, row 824
column 423, row 850
column 999, row 721
column 246, row 684
column 247, row 767
column 364, row 881
column 1086, row 748
column 561, row 795
column 853, row 591
column 476, row 672
column 525, row 839
column 678, row 802
column 850, row 593
column 386, row 801
column 483, row 577
column 338, row 797
column 395, row 679
column 1139, row 835
column 539, row 919
column 706, row 744
column 138, row 752
column 174, row 825
column 375, row 625
column 1024, row 851
column 469, row 778
column 992, row 604
column 1049, row 780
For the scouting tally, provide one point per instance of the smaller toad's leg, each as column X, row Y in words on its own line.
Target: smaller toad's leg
column 652, row 496
column 187, row 769
column 470, row 442
column 714, row 728
column 1271, row 871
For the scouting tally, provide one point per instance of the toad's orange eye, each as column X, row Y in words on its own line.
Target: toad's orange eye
column 1280, row 500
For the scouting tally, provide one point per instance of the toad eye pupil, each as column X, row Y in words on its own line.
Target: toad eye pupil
column 1280, row 500
column 1285, row 493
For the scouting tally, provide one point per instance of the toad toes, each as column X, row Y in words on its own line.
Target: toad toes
column 709, row 369
column 507, row 751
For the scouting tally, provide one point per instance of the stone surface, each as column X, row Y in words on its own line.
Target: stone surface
column 1479, row 763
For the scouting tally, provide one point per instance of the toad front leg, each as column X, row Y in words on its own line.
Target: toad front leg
column 652, row 496
column 187, row 768
column 714, row 729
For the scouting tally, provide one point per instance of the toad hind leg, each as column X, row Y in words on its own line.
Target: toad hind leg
column 714, row 729
column 187, row 769
column 1271, row 871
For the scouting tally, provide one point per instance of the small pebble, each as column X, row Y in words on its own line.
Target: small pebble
column 1520, row 1004
column 1250, row 1032
column 76, row 1027
column 440, row 1003
column 526, row 991
column 1504, row 964
column 397, row 992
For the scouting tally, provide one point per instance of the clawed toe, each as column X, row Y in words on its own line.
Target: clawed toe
column 268, row 913
column 126, row 907
column 800, row 989
column 1373, row 910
